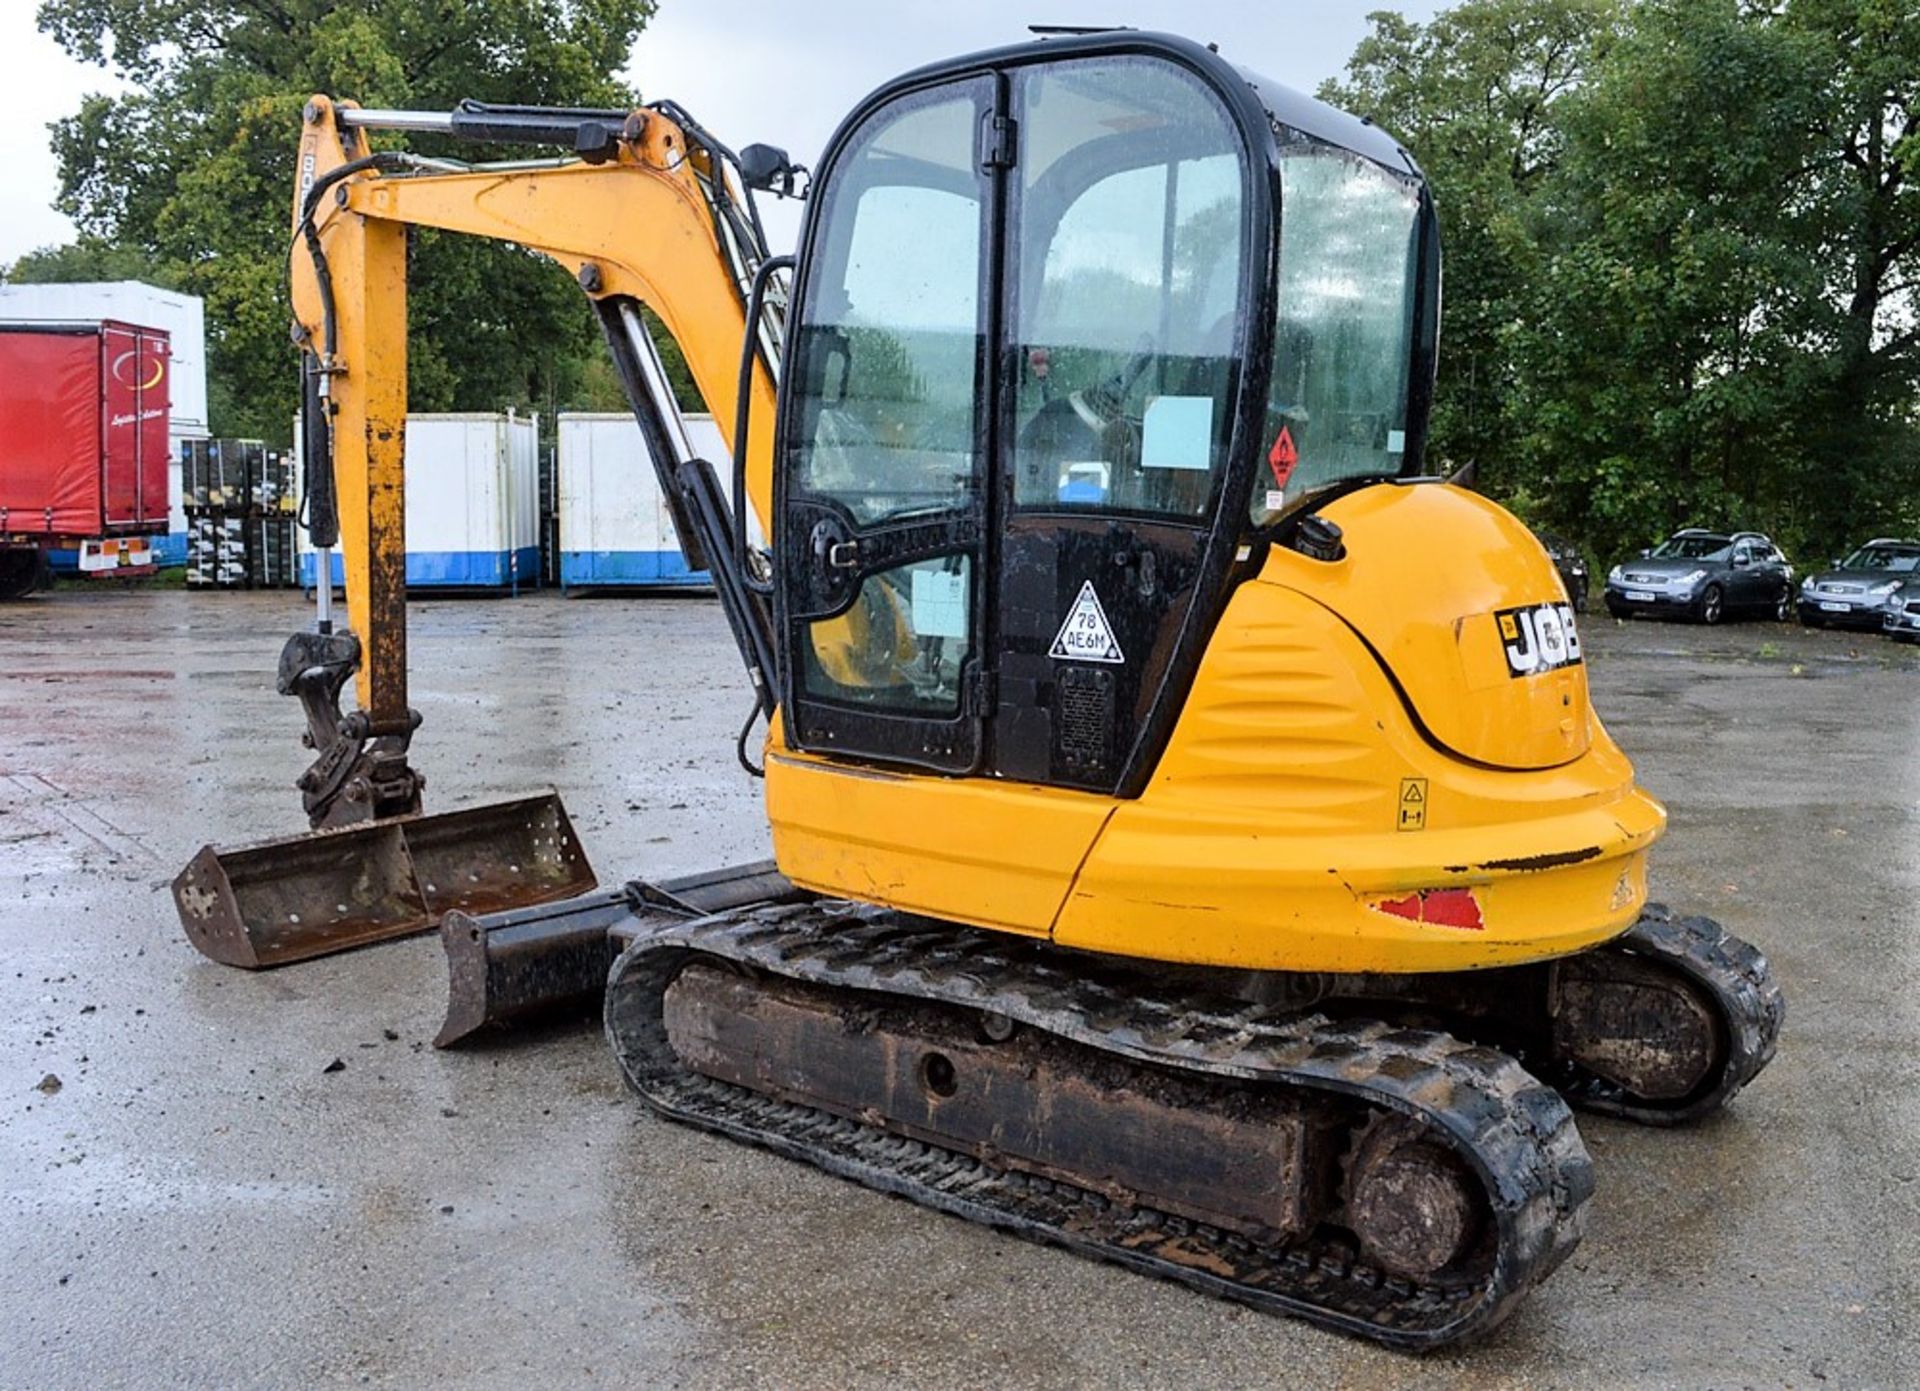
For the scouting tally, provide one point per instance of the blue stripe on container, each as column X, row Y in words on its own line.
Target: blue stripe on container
column 589, row 569
column 453, row 569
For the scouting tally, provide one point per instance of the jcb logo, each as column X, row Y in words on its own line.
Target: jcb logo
column 1540, row 637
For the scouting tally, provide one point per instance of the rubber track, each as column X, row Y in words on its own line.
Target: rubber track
column 1515, row 1133
column 1735, row 975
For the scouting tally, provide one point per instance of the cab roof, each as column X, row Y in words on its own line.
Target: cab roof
column 1284, row 108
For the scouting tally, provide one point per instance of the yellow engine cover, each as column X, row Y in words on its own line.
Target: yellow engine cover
column 1453, row 593
column 1372, row 772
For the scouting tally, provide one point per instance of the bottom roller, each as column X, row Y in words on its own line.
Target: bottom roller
column 278, row 901
column 1394, row 1183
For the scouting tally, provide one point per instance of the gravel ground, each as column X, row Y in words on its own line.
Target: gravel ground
column 202, row 1201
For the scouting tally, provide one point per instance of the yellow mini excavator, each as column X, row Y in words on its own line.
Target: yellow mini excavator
column 1193, row 841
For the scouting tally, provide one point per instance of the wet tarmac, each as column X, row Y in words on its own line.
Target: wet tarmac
column 202, row 1198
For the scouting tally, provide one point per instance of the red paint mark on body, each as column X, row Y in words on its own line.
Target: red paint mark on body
column 1437, row 908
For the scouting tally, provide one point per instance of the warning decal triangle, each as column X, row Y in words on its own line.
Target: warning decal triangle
column 1086, row 636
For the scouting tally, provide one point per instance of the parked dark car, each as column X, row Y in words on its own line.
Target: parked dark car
column 1570, row 563
column 1903, row 613
column 1706, row 576
column 1857, row 592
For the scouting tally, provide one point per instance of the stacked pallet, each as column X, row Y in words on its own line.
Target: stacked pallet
column 241, row 505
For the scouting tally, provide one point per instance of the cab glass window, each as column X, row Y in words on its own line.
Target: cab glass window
column 1343, row 334
column 1128, row 255
column 890, row 357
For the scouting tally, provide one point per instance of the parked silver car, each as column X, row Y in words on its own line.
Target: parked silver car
column 1858, row 592
column 1704, row 575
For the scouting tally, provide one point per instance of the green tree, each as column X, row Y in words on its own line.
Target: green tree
column 1857, row 216
column 1653, row 382
column 1722, row 332
column 1475, row 95
column 1683, row 256
column 88, row 258
column 193, row 171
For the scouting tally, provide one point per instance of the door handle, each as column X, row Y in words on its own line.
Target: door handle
column 832, row 548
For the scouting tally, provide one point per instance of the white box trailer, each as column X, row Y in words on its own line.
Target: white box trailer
column 615, row 527
column 473, row 503
column 135, row 302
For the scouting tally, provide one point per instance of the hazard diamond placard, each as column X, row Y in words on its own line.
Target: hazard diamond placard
column 1086, row 636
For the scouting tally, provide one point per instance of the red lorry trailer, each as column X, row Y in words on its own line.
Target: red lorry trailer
column 83, row 446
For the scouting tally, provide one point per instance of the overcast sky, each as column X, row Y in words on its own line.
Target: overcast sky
column 779, row 71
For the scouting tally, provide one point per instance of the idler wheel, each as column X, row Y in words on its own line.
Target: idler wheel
column 1414, row 1206
column 1638, row 1024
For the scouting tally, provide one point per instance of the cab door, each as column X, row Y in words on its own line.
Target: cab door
column 1127, row 280
column 882, row 485
column 1015, row 388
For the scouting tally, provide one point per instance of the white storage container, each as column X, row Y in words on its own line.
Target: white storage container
column 134, row 302
column 473, row 503
column 615, row 527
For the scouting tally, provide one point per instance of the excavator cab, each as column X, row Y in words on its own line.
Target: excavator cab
column 1053, row 365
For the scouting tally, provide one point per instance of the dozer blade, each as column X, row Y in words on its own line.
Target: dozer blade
column 279, row 901
column 507, row 966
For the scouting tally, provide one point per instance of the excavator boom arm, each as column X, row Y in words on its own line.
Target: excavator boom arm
column 640, row 220
column 646, row 210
